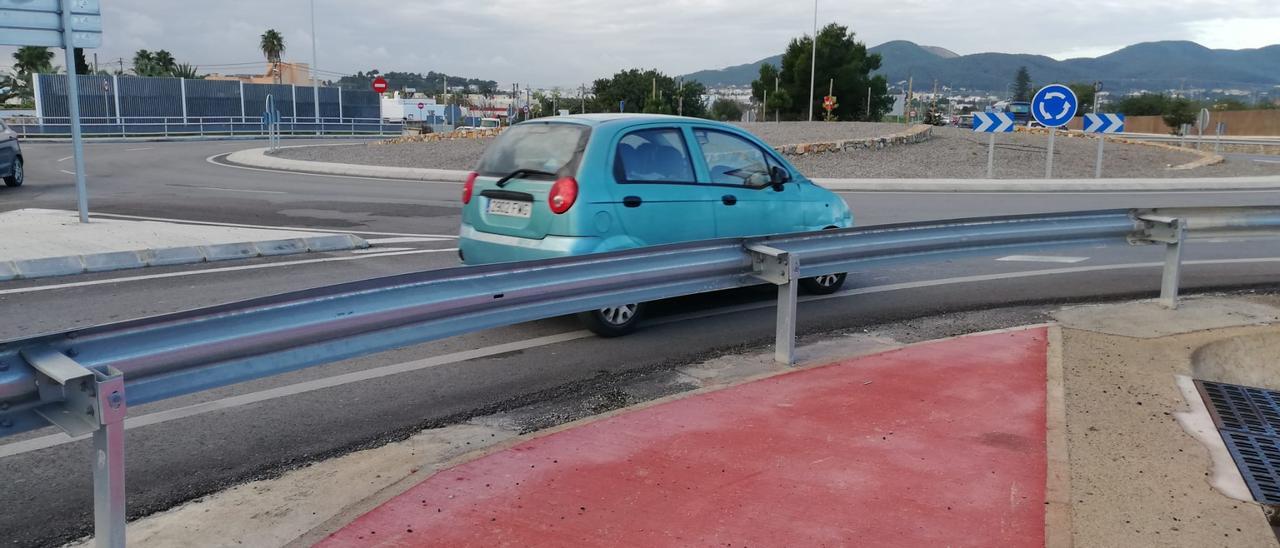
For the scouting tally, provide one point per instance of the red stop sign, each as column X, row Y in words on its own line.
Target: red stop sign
column 379, row 84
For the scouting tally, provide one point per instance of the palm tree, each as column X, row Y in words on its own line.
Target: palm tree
column 164, row 62
column 144, row 63
column 29, row 61
column 272, row 46
column 185, row 70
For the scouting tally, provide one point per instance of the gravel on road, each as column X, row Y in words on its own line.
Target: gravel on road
column 953, row 153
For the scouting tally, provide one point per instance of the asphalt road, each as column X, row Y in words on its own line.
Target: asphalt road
column 187, row 452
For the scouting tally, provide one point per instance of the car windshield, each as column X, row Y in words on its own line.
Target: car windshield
column 1020, row 107
column 553, row 148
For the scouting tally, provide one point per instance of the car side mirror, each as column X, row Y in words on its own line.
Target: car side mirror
column 778, row 177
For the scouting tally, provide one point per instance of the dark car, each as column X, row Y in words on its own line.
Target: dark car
column 10, row 156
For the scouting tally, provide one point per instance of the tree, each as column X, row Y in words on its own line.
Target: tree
column 164, row 62
column 843, row 63
column 1084, row 94
column 726, row 110
column 272, row 46
column 1229, row 103
column 82, row 66
column 648, row 91
column 1022, row 85
column 144, row 63
column 1179, row 111
column 1147, row 104
column 29, row 61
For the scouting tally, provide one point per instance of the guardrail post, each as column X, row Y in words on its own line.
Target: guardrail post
column 80, row 401
column 1171, row 232
column 783, row 269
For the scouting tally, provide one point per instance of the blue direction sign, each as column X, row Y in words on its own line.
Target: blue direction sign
column 992, row 122
column 39, row 23
column 1104, row 123
column 1054, row 105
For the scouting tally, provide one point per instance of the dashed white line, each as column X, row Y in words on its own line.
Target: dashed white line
column 1042, row 259
column 67, row 172
column 379, row 250
column 217, row 270
column 137, row 149
column 65, row 158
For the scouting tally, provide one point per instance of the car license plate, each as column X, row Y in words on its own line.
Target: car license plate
column 511, row 208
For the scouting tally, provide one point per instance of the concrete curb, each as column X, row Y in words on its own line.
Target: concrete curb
column 258, row 158
column 1206, row 158
column 1270, row 182
column 119, row 260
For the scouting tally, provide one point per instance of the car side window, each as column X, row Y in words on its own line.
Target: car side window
column 653, row 156
column 732, row 160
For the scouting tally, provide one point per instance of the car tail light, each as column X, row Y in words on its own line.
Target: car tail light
column 469, row 187
column 563, row 194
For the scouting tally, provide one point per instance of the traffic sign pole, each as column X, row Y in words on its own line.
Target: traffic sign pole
column 991, row 157
column 1097, row 168
column 73, row 108
column 1048, row 162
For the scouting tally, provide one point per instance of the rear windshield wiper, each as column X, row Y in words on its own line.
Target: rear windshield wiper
column 521, row 173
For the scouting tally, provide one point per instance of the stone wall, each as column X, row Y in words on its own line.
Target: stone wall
column 916, row 134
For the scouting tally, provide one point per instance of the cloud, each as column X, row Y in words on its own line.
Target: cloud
column 565, row 42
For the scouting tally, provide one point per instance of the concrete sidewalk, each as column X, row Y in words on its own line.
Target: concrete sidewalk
column 45, row 242
column 939, row 444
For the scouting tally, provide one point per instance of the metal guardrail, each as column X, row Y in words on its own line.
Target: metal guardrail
column 78, row 380
column 1193, row 139
column 199, row 126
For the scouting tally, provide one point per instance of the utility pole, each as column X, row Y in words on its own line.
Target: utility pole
column 315, row 76
column 583, row 94
column 777, row 115
column 95, row 62
column 680, row 99
column 813, row 66
column 910, row 91
column 869, row 104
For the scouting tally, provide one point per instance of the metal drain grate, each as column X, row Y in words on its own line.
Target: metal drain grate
column 1248, row 419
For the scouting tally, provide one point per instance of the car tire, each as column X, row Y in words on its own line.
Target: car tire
column 823, row 285
column 15, row 178
column 613, row 321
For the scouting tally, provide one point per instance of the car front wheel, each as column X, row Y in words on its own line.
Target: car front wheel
column 823, row 285
column 613, row 321
column 15, row 179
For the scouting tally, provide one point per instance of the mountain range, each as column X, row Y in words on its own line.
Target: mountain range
column 1152, row 66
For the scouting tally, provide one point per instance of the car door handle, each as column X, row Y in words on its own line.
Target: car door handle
column 632, row 201
column 729, row 199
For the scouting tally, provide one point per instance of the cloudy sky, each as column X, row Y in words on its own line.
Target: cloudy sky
column 566, row 42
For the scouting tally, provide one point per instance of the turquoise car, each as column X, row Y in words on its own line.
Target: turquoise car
column 572, row 185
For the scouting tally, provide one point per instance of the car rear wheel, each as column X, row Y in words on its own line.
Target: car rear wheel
column 613, row 321
column 823, row 285
column 15, row 178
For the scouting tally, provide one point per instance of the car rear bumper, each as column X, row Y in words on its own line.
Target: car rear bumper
column 478, row 247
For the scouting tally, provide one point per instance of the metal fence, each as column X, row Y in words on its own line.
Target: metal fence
column 142, row 97
column 200, row 126
column 78, row 380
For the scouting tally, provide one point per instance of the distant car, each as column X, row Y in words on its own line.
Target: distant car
column 573, row 185
column 10, row 156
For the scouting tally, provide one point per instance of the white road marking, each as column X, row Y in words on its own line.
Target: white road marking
column 65, row 159
column 137, row 149
column 158, row 417
column 34, row 289
column 234, row 189
column 305, row 174
column 403, row 240
column 379, row 250
column 35, row 444
column 294, row 228
column 67, row 172
column 1260, row 160
column 1042, row 259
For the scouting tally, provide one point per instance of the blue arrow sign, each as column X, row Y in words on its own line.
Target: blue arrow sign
column 1104, row 123
column 1054, row 105
column 992, row 122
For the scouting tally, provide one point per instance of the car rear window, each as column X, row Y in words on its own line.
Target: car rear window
column 550, row 147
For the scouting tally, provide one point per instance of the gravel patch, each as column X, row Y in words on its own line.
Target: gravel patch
column 794, row 133
column 955, row 153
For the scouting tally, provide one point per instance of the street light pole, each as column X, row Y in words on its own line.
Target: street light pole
column 315, row 76
column 813, row 67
